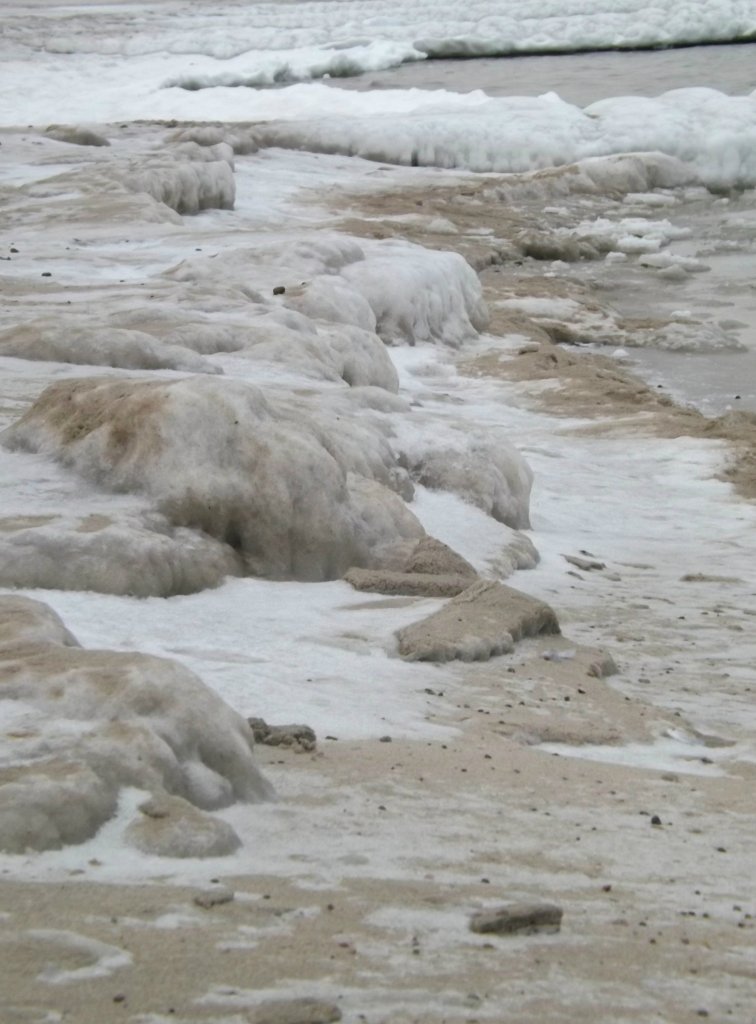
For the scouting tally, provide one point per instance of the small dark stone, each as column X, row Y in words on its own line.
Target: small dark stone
column 518, row 918
column 14, row 249
column 385, row 739
column 279, row 290
column 656, row 820
column 46, row 273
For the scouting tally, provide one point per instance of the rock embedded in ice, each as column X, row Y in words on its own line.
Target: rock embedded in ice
column 89, row 723
column 301, row 737
column 430, row 555
column 214, row 896
column 168, row 826
column 430, row 569
column 483, row 621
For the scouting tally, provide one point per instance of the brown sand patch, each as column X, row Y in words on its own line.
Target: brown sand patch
column 10, row 524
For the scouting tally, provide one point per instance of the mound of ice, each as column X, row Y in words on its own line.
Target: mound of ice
column 279, row 486
column 258, row 70
column 186, row 186
column 710, row 132
column 66, row 342
column 241, row 141
column 84, row 724
column 141, row 557
column 482, row 468
column 323, row 349
column 419, row 295
column 76, row 135
column 404, row 292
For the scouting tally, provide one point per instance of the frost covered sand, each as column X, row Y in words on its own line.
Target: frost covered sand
column 436, row 789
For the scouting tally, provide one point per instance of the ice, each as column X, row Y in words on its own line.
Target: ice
column 98, row 346
column 104, row 958
column 74, row 78
column 710, row 133
column 96, row 721
column 270, row 482
column 261, row 44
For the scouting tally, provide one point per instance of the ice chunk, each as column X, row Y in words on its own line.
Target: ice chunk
column 88, row 723
column 281, row 488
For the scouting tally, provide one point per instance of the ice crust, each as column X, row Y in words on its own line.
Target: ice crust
column 88, row 723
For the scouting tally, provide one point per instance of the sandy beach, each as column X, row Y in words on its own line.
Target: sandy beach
column 608, row 770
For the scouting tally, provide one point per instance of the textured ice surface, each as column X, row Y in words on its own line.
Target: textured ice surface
column 85, row 724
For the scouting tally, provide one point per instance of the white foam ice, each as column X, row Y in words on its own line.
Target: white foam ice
column 280, row 41
column 711, row 135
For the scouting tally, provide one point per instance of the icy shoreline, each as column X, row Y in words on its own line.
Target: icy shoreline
column 374, row 848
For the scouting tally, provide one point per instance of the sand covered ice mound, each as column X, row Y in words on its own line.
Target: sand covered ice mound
column 296, row 494
column 80, row 725
column 140, row 555
column 98, row 345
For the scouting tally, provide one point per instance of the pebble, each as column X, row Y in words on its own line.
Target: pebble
column 518, row 918
column 214, row 897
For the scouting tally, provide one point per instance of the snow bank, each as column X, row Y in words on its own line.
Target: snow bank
column 84, row 724
column 276, row 485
